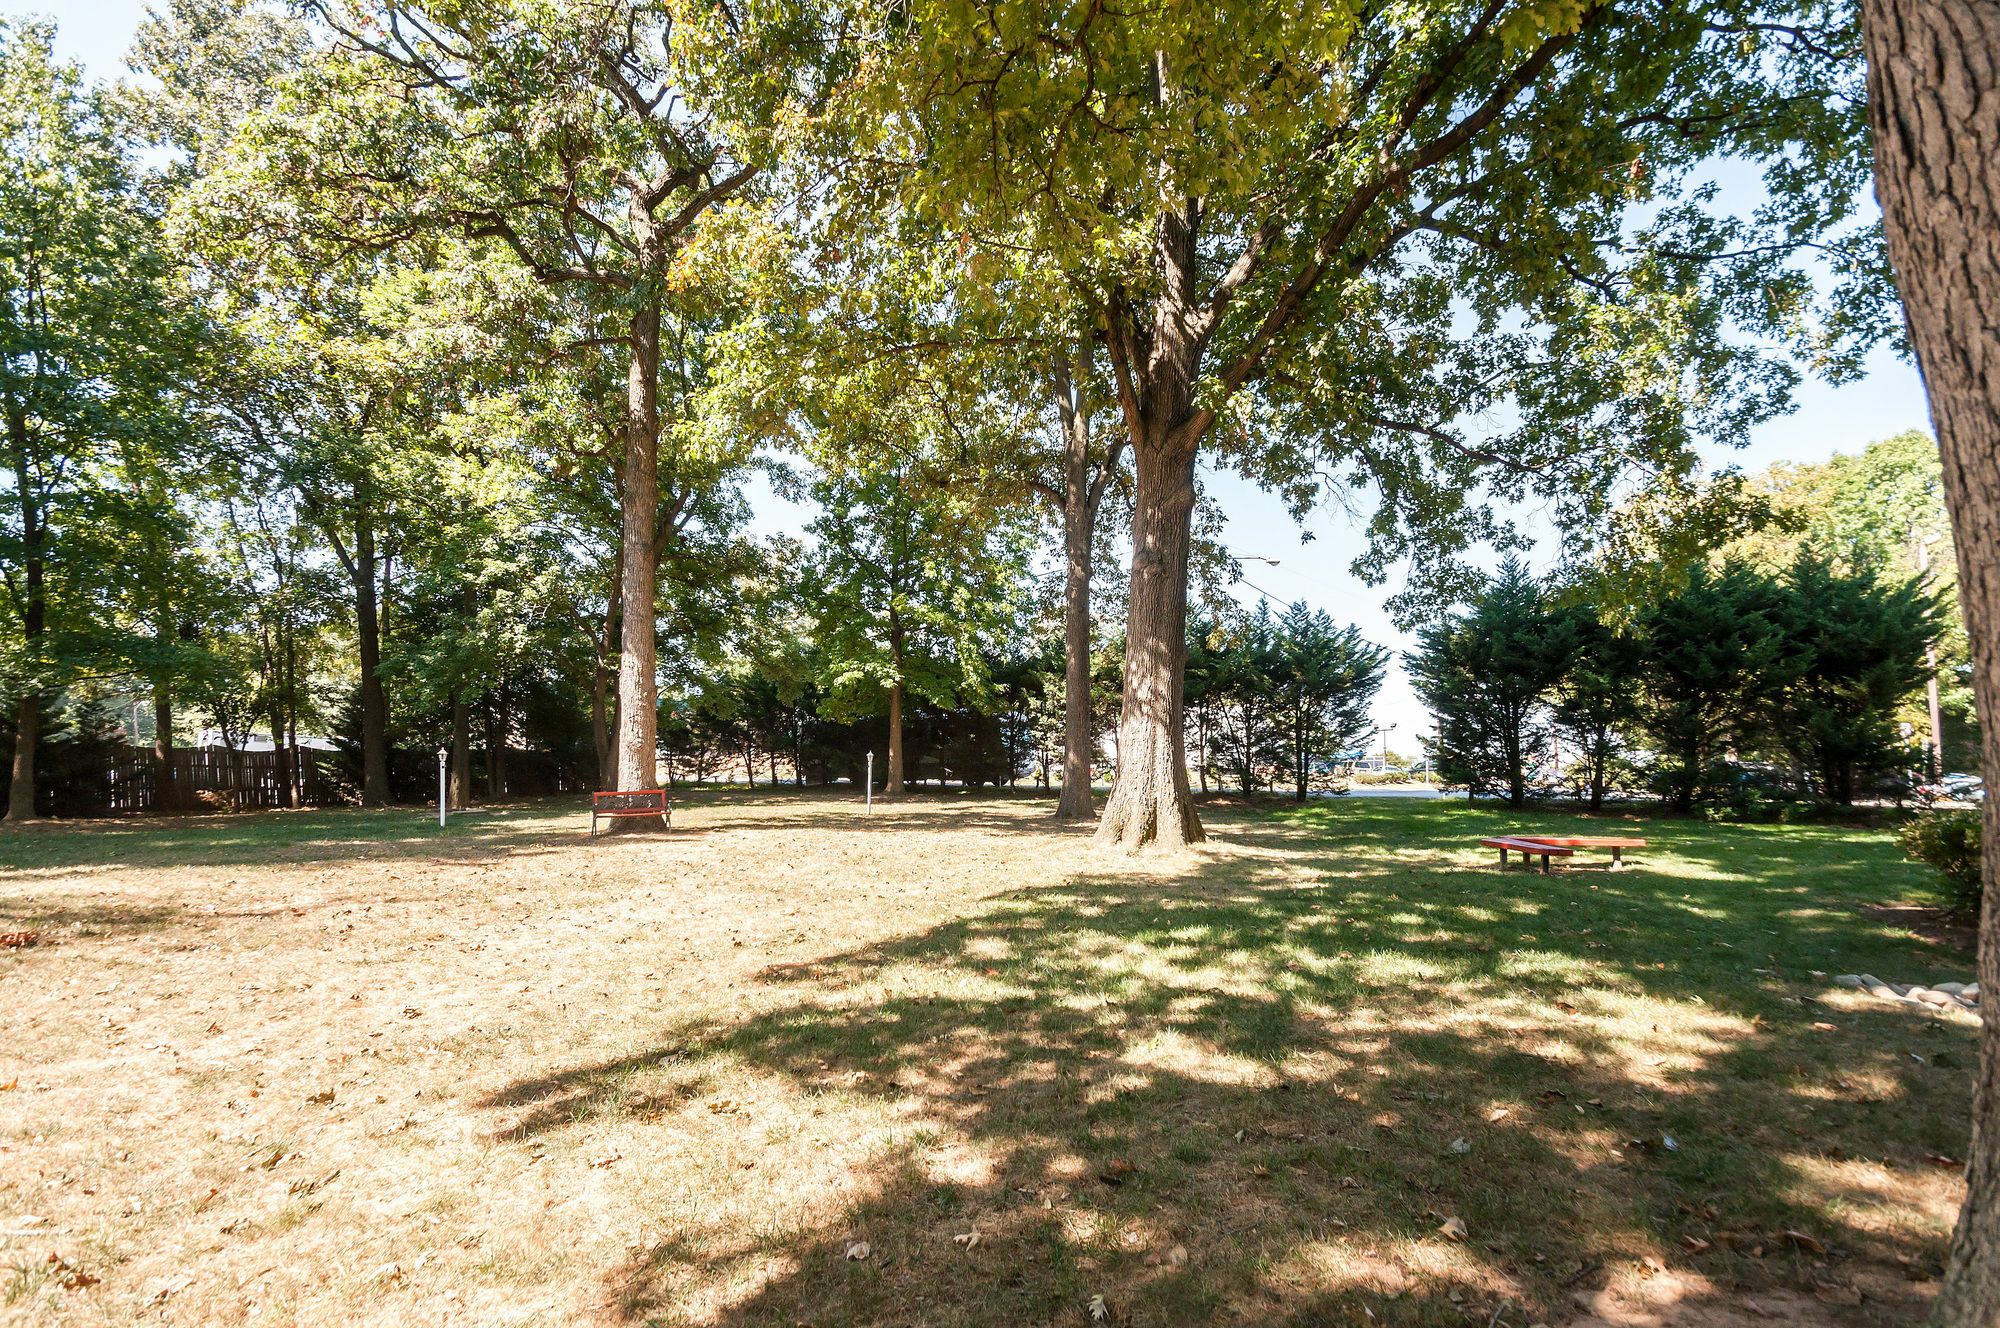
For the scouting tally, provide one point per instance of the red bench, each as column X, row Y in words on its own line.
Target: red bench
column 1526, row 848
column 633, row 802
column 1612, row 842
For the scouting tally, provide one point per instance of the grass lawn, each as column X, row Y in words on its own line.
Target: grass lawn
column 949, row 1064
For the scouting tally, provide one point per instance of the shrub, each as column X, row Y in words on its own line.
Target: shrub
column 1949, row 841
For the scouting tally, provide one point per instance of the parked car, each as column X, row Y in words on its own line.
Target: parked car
column 1954, row 788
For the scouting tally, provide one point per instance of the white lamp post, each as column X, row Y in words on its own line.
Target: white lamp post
column 442, row 805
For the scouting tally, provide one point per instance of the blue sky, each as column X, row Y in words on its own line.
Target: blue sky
column 1887, row 400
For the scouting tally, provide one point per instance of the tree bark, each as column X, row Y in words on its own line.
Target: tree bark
column 368, row 631
column 1151, row 803
column 461, row 751
column 638, row 685
column 1934, row 103
column 604, row 678
column 166, row 794
column 27, row 721
column 1080, row 499
column 34, row 613
column 894, row 785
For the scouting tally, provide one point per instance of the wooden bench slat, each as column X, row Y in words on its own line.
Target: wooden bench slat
column 614, row 804
column 1529, row 846
column 1584, row 841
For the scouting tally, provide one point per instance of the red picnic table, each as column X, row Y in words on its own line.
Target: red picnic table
column 1561, row 846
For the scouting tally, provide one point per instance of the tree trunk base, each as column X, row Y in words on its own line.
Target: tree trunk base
column 1076, row 807
column 634, row 825
column 1150, row 805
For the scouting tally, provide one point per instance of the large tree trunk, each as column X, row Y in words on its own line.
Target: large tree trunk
column 166, row 794
column 1151, row 803
column 894, row 786
column 638, row 686
column 368, row 630
column 604, row 679
column 27, row 722
column 1079, row 736
column 34, row 611
column 1080, row 502
column 461, row 752
column 1934, row 101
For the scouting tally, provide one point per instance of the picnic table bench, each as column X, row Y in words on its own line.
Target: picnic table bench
column 1561, row 846
column 1527, row 847
column 633, row 802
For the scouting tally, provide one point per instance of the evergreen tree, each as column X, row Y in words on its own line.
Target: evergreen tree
column 1597, row 698
column 1708, row 657
column 1327, row 681
column 1852, row 648
column 1485, row 675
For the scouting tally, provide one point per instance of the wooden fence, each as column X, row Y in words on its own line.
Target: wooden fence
column 210, row 776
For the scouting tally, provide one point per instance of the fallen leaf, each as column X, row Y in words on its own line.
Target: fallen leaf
column 1553, row 1095
column 1804, row 1242
column 1260, row 1171
column 320, row 1099
column 178, row 1284
column 11, row 1084
column 1497, row 1114
column 607, row 1159
column 1693, row 1244
column 18, row 939
column 858, row 1250
column 1099, row 1311
column 970, row 1240
column 1940, row 1160
column 388, row 1272
column 1454, row 1228
column 309, row 1186
column 1826, row 1028
column 68, row 1276
column 1177, row 1256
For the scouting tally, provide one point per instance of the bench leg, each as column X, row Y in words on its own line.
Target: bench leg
column 1545, row 864
column 1617, row 858
column 1503, row 857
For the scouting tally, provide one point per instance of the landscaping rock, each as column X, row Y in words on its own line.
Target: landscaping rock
column 1935, row 997
column 1850, row 980
column 1950, row 988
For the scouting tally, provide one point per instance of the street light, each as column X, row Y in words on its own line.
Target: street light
column 1384, row 732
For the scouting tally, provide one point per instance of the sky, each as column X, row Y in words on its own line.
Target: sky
column 1887, row 400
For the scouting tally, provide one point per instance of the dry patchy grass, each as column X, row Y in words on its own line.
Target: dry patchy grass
column 1247, row 1085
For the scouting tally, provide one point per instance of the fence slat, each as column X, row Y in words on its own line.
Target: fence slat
column 241, row 780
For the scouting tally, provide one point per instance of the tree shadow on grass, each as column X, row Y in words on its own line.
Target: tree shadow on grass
column 1258, row 1090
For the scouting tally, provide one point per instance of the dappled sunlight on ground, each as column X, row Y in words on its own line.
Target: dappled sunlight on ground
column 950, row 1064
